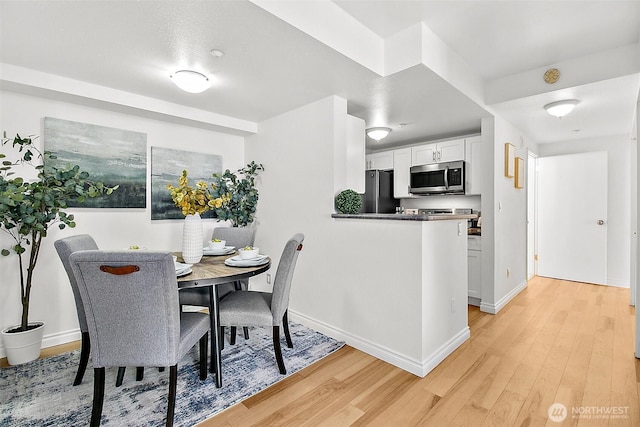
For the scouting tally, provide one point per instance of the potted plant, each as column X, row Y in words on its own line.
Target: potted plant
column 28, row 207
column 239, row 195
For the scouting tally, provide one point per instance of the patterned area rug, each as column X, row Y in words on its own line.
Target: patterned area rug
column 40, row 392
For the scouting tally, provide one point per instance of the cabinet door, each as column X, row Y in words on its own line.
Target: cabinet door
column 382, row 160
column 473, row 166
column 423, row 154
column 449, row 151
column 473, row 269
column 401, row 166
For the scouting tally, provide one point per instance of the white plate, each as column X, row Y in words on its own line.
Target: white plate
column 183, row 272
column 236, row 261
column 225, row 251
column 182, row 266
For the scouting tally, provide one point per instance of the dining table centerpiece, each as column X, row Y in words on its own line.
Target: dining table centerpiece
column 231, row 196
column 29, row 206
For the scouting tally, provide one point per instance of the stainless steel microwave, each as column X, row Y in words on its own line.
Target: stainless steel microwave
column 437, row 178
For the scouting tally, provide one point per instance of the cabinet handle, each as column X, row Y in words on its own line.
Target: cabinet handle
column 433, row 156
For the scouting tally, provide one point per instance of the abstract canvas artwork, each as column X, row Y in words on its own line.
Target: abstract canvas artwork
column 167, row 166
column 111, row 156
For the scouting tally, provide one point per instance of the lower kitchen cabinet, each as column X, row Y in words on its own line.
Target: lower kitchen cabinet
column 474, row 256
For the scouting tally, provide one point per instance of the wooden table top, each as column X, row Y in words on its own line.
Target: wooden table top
column 211, row 270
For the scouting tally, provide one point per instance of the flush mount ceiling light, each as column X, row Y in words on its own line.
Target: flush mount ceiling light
column 378, row 133
column 561, row 108
column 191, row 81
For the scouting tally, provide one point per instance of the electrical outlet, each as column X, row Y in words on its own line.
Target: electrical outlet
column 268, row 278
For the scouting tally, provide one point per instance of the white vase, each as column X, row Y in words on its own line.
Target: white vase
column 23, row 347
column 192, row 239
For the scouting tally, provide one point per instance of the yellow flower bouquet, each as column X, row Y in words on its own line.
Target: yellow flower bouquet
column 192, row 200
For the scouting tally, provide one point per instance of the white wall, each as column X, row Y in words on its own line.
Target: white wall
column 504, row 217
column 618, row 200
column 343, row 284
column 52, row 300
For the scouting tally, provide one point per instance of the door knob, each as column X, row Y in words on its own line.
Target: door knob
column 600, row 222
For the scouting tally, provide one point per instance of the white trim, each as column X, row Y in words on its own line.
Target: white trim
column 495, row 308
column 416, row 367
column 618, row 283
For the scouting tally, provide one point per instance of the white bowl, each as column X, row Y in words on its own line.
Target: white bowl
column 248, row 254
column 217, row 245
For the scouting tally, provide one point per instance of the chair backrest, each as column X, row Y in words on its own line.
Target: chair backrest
column 284, row 275
column 131, row 303
column 236, row 236
column 65, row 247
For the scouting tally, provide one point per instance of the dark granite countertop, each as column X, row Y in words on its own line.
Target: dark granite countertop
column 407, row 217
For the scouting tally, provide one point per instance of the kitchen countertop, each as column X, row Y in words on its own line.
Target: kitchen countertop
column 407, row 217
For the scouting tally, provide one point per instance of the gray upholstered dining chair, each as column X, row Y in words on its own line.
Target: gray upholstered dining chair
column 253, row 308
column 65, row 247
column 234, row 236
column 133, row 316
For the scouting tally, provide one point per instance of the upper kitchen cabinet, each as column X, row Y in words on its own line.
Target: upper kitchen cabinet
column 382, row 160
column 401, row 175
column 473, row 165
column 445, row 151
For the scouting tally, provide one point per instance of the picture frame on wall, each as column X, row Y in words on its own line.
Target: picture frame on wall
column 519, row 172
column 509, row 165
column 167, row 165
column 110, row 155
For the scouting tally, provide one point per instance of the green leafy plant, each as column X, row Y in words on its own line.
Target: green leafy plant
column 29, row 207
column 234, row 196
column 348, row 202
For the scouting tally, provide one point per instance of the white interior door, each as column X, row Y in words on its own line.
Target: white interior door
column 572, row 217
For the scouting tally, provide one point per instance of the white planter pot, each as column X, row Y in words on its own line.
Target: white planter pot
column 192, row 239
column 23, row 347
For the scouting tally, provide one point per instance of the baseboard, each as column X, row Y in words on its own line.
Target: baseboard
column 53, row 339
column 495, row 308
column 416, row 367
column 618, row 283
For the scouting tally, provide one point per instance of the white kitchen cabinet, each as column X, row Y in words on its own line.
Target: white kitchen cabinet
column 473, row 166
column 474, row 262
column 382, row 160
column 401, row 168
column 445, row 151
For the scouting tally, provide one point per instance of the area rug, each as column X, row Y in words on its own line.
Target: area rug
column 40, row 393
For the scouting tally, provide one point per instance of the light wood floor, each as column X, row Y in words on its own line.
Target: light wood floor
column 556, row 342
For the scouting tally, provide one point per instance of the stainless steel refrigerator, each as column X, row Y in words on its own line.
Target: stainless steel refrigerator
column 378, row 195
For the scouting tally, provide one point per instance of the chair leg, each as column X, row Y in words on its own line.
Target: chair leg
column 204, row 343
column 246, row 332
column 98, row 396
column 232, row 338
column 277, row 350
column 221, row 338
column 84, row 358
column 171, row 405
column 120, row 376
column 285, row 326
column 139, row 373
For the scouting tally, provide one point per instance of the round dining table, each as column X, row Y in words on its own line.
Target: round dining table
column 208, row 273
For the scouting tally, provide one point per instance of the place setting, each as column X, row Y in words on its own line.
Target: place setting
column 182, row 269
column 249, row 256
column 218, row 247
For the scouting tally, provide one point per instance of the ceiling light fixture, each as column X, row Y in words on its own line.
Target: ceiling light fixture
column 561, row 108
column 191, row 81
column 378, row 133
